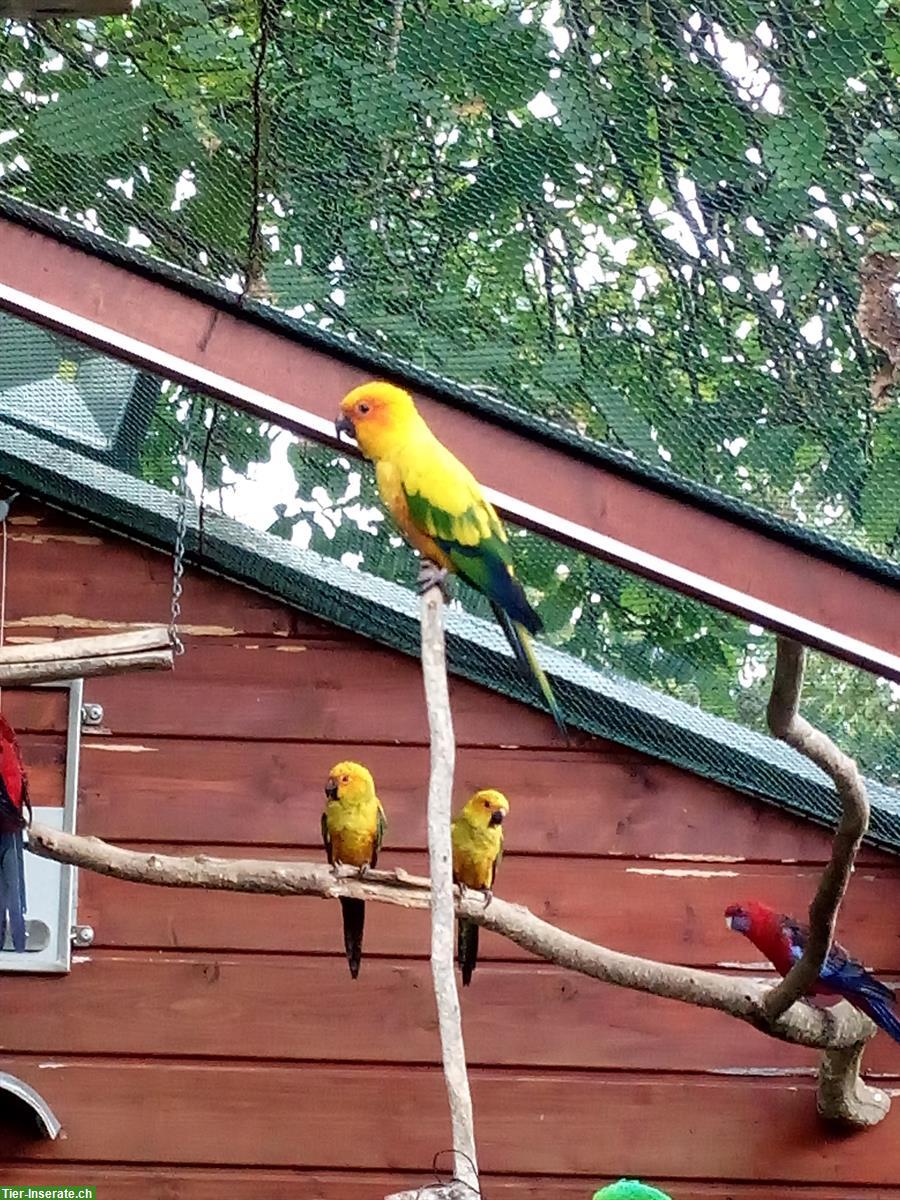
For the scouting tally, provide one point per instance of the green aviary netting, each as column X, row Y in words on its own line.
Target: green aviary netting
column 668, row 228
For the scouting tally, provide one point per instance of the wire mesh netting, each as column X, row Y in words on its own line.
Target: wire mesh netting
column 124, row 444
column 670, row 228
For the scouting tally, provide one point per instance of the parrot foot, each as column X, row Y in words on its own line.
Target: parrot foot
column 488, row 896
column 431, row 575
column 363, row 871
column 341, row 870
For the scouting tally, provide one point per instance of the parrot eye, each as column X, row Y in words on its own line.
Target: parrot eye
column 487, row 804
column 345, row 779
column 363, row 408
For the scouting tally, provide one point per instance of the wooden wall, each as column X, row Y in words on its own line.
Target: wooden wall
column 210, row 1041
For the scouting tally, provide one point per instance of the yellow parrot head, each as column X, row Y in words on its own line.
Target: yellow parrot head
column 486, row 808
column 379, row 415
column 349, row 782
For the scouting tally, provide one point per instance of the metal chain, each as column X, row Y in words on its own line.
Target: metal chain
column 180, row 533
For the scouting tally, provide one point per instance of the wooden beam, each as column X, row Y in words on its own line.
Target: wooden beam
column 677, row 542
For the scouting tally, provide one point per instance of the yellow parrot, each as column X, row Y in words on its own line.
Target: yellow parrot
column 477, row 837
column 353, row 826
column 439, row 508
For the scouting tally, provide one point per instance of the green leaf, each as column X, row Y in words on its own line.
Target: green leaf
column 794, row 146
column 630, row 427
column 380, row 103
column 71, row 126
column 880, row 500
column 881, row 150
column 800, row 265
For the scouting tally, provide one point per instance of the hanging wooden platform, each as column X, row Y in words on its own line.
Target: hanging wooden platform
column 86, row 657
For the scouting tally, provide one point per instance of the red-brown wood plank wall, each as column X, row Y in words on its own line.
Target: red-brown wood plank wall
column 209, row 1041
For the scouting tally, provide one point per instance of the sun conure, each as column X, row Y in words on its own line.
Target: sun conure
column 439, row 508
column 477, row 837
column 353, row 826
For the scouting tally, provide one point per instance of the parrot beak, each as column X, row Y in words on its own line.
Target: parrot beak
column 497, row 817
column 331, row 790
column 343, row 424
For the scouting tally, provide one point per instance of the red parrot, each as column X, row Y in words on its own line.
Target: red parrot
column 14, row 803
column 782, row 940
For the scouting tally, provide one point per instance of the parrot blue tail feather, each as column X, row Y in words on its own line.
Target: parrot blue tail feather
column 883, row 1015
column 12, row 889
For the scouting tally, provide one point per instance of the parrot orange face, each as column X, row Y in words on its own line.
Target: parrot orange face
column 350, row 783
column 375, row 414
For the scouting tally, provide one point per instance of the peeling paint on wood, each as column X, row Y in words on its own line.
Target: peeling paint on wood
column 74, row 538
column 681, row 873
column 711, row 858
column 122, row 749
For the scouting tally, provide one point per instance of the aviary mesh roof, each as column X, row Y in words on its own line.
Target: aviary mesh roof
column 667, row 227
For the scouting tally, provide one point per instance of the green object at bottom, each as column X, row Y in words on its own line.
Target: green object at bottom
column 630, row 1189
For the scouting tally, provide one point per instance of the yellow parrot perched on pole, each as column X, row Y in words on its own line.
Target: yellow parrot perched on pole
column 439, row 508
column 477, row 838
column 353, row 826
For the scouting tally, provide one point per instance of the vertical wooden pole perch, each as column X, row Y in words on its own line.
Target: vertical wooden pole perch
column 440, row 798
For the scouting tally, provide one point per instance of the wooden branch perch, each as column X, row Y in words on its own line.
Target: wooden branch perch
column 840, row 1030
column 842, row 1094
column 83, row 658
column 786, row 723
column 443, row 917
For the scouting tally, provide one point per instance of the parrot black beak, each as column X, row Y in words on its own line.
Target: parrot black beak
column 331, row 790
column 344, row 425
column 497, row 817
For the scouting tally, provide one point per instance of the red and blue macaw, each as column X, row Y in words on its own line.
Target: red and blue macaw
column 782, row 940
column 14, row 803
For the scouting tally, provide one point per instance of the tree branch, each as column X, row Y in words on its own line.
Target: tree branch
column 840, row 1030
column 440, row 858
column 786, row 723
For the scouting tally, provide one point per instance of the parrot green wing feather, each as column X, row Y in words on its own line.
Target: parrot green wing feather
column 326, row 839
column 496, row 865
column 475, row 542
column 379, row 835
column 475, row 528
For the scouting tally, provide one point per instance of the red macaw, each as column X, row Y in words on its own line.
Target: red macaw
column 782, row 940
column 14, row 803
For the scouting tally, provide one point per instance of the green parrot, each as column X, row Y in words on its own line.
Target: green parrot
column 630, row 1189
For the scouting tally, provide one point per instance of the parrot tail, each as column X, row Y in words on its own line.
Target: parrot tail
column 354, row 913
column 467, row 949
column 522, row 648
column 883, row 1014
column 12, row 889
